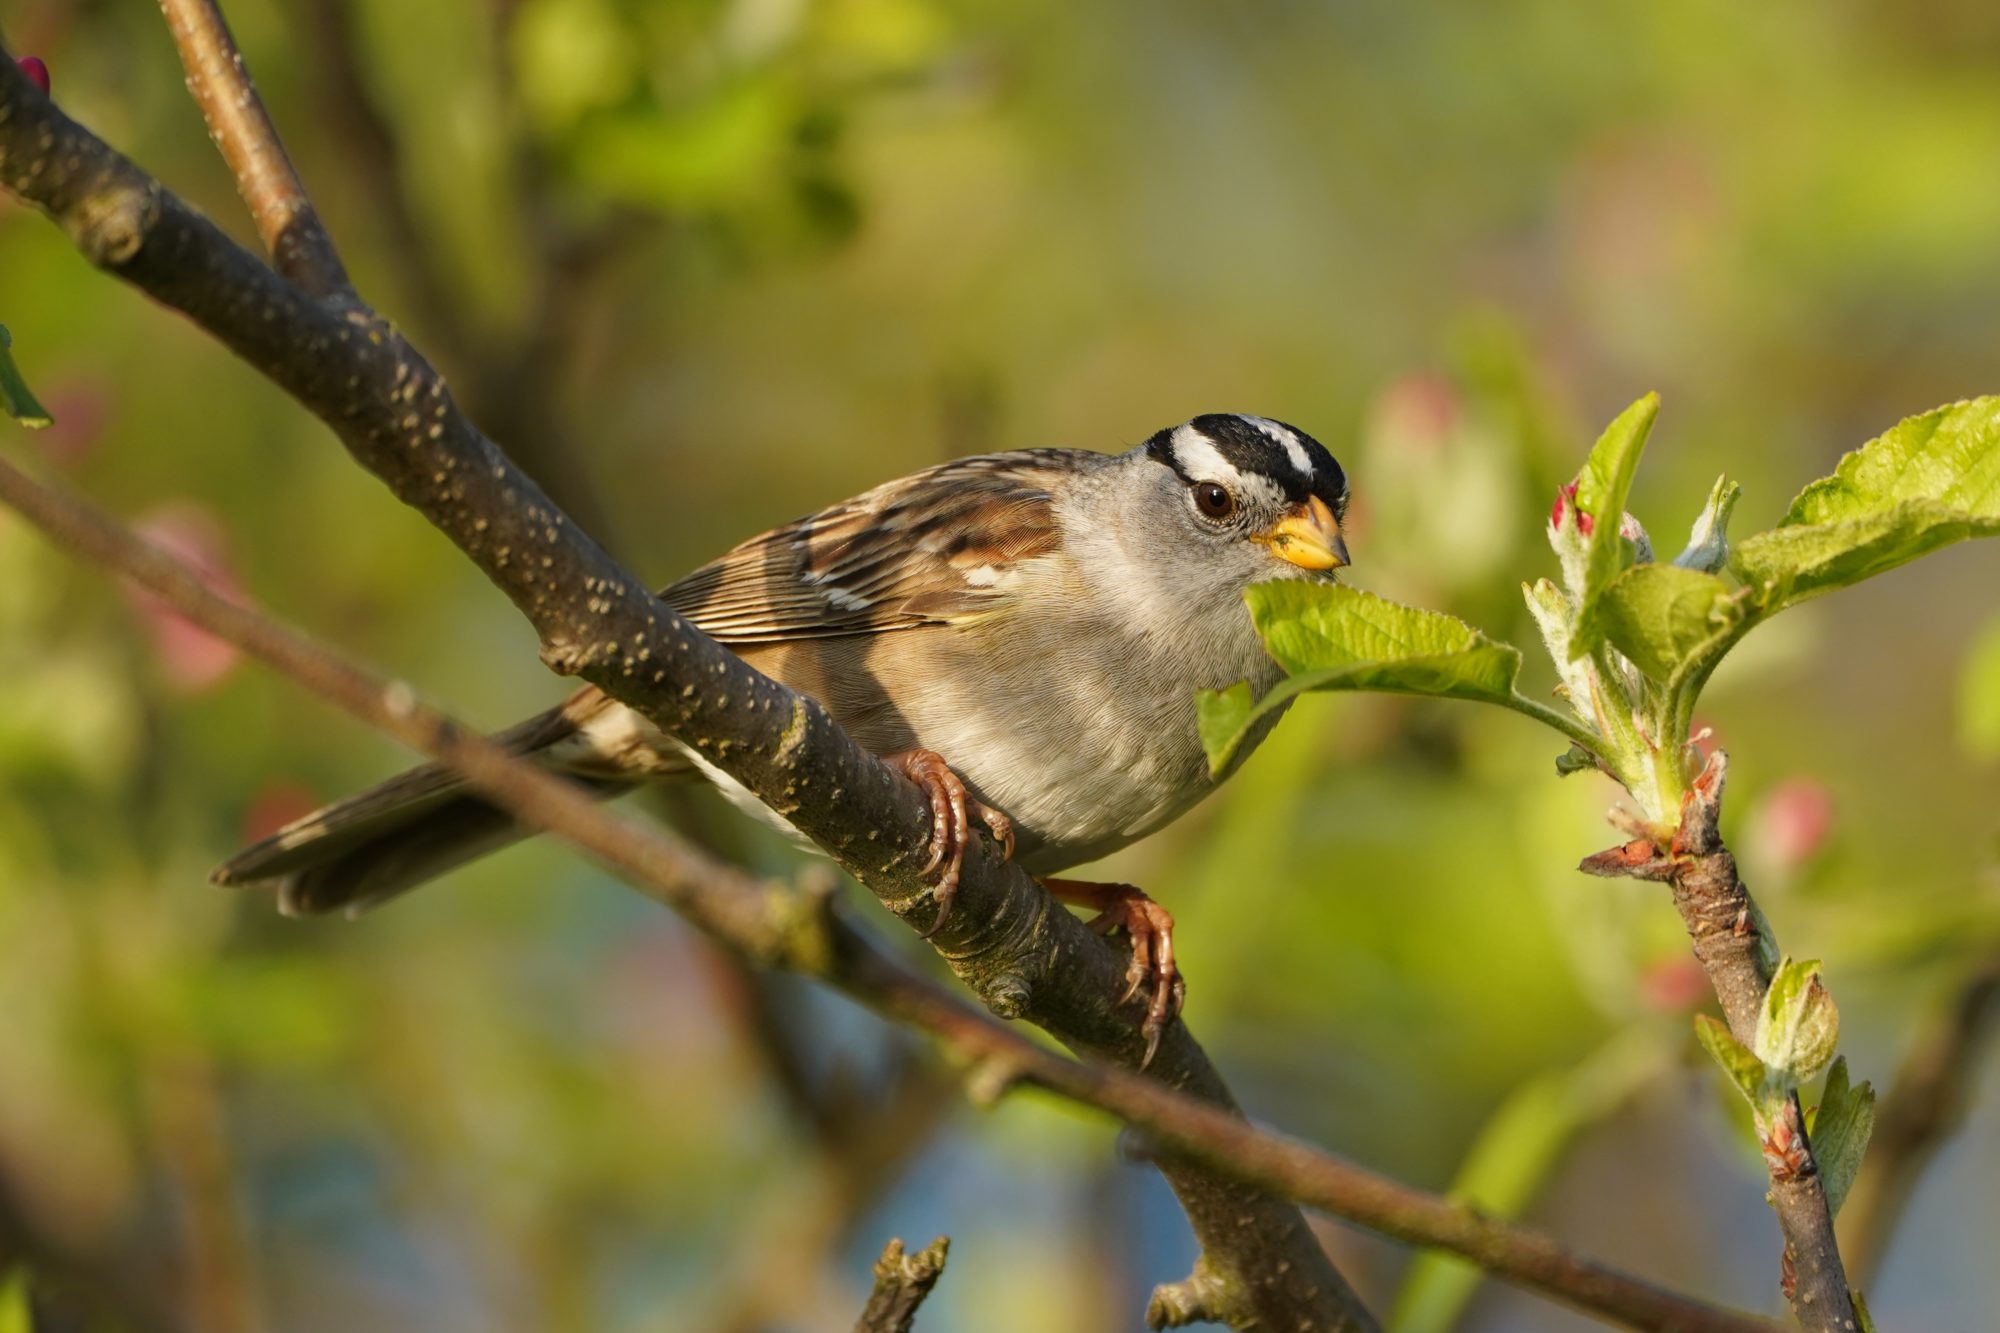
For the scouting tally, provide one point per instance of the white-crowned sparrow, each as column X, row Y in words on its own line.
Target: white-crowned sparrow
column 1040, row 620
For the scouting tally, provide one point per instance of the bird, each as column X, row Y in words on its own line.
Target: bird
column 1022, row 634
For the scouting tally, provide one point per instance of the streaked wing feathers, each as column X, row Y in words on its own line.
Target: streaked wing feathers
column 933, row 548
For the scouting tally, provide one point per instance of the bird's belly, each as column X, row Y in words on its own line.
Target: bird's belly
column 1079, row 777
column 1081, row 794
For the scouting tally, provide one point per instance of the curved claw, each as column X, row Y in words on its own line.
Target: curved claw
column 951, row 828
column 1151, row 930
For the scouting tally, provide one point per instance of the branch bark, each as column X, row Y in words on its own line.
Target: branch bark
column 1729, row 942
column 1024, row 956
column 781, row 927
column 901, row 1283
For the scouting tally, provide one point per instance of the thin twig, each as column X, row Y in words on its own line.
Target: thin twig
column 1924, row 1106
column 778, row 926
column 1023, row 955
column 285, row 218
column 901, row 1283
column 1725, row 927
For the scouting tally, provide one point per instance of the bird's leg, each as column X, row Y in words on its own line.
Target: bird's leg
column 1151, row 929
column 951, row 828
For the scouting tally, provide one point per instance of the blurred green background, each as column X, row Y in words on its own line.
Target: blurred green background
column 708, row 265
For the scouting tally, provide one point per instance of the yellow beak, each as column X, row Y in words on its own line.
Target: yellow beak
column 1309, row 537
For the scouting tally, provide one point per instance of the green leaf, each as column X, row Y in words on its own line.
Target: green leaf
column 1668, row 619
column 1799, row 1025
column 1601, row 490
column 15, row 396
column 1223, row 717
column 1979, row 696
column 1745, row 1070
column 1930, row 481
column 1839, row 1132
column 1330, row 637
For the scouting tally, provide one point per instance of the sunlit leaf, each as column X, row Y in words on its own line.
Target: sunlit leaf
column 1601, row 491
column 1330, row 637
column 1665, row 617
column 1930, row 481
column 1839, row 1132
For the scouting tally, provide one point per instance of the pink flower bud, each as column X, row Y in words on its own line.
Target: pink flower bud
column 37, row 72
column 1565, row 503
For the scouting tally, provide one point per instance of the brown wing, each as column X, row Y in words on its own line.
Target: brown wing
column 929, row 549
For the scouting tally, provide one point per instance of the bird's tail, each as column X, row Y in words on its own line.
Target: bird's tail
column 358, row 852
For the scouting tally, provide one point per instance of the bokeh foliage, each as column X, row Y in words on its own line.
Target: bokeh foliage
column 855, row 236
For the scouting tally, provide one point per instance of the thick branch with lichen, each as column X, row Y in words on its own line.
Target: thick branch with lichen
column 1024, row 956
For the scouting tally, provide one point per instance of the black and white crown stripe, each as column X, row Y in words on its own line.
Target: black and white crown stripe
column 1214, row 446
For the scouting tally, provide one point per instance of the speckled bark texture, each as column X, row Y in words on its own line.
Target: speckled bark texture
column 394, row 414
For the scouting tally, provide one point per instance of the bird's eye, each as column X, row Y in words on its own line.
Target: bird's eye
column 1214, row 499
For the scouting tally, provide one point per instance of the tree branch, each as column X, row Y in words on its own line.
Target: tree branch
column 1024, row 956
column 286, row 221
column 775, row 925
column 1725, row 927
column 901, row 1283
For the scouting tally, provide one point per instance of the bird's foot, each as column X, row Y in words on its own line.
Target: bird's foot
column 1151, row 930
column 952, row 807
